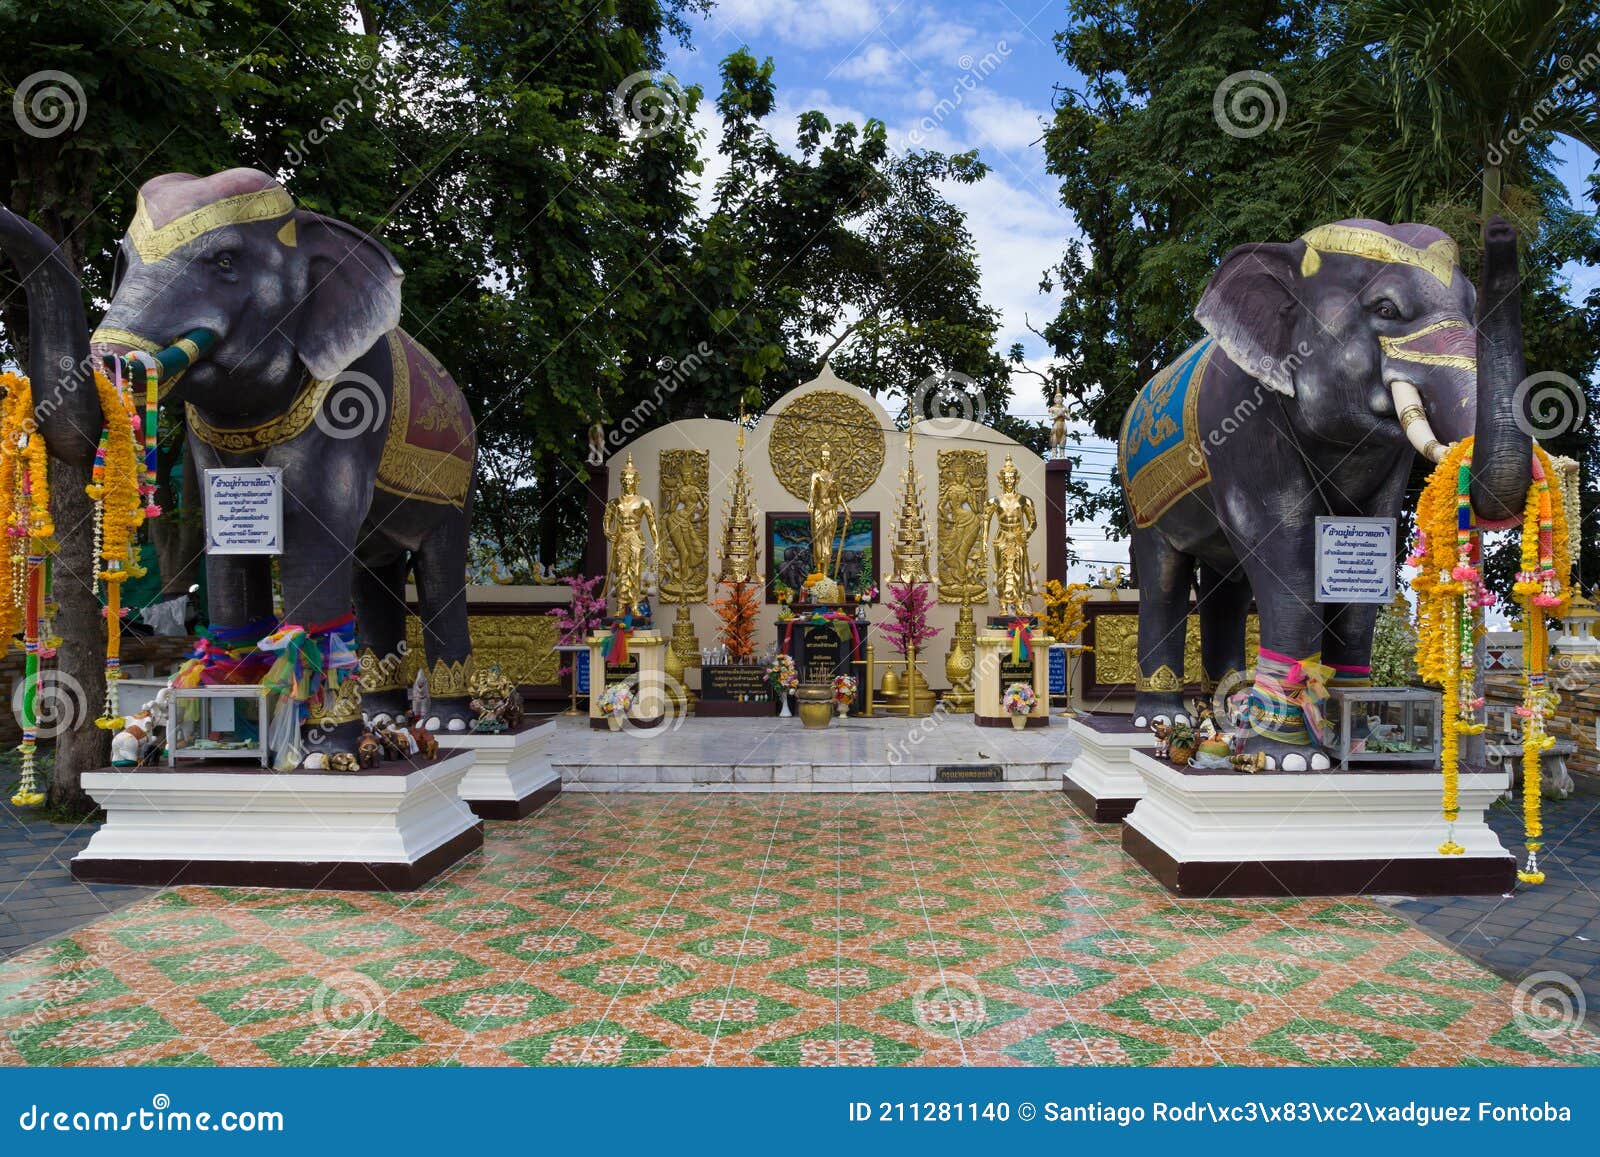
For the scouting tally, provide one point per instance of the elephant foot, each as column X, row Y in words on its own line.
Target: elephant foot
column 1157, row 707
column 1288, row 756
column 330, row 748
column 449, row 715
column 383, row 707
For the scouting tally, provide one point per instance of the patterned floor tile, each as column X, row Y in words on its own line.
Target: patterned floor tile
column 773, row 930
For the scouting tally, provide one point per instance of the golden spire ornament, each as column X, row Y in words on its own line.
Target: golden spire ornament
column 909, row 551
column 741, row 549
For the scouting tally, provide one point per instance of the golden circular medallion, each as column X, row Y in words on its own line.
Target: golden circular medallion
column 850, row 430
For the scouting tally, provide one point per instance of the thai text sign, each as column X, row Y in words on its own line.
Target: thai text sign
column 244, row 510
column 1355, row 560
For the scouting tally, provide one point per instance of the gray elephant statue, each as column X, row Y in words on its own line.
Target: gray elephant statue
column 1329, row 362
column 278, row 328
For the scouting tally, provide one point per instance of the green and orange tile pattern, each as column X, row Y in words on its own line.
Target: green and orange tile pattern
column 774, row 930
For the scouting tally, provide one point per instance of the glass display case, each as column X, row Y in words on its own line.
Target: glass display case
column 1385, row 725
column 222, row 722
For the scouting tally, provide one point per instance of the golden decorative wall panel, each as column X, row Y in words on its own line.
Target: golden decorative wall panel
column 963, row 491
column 828, row 418
column 684, row 488
column 521, row 645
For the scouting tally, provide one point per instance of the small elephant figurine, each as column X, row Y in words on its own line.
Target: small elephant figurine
column 369, row 752
column 426, row 745
column 1163, row 734
column 397, row 742
column 343, row 761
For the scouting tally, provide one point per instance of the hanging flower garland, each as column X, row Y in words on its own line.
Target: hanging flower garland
column 1451, row 598
column 115, row 485
column 25, row 501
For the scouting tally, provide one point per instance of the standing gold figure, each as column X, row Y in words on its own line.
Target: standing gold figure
column 1013, row 575
column 826, row 504
column 626, row 517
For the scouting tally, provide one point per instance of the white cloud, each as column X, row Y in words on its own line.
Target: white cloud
column 1002, row 122
column 874, row 63
column 809, row 23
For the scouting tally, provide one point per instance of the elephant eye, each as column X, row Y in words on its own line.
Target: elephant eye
column 224, row 262
column 1386, row 309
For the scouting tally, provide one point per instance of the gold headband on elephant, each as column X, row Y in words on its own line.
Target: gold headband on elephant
column 1439, row 258
column 152, row 243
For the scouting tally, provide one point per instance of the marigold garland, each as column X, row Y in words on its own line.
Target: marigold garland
column 115, row 486
column 1451, row 597
column 25, row 501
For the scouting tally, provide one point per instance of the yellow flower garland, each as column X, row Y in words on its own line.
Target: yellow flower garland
column 119, row 511
column 1450, row 598
column 25, row 499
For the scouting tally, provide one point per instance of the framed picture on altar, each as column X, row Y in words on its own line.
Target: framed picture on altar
column 789, row 554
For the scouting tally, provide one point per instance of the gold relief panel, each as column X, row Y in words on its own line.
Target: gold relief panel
column 1115, row 658
column 522, row 646
column 685, row 487
column 963, row 491
column 851, row 431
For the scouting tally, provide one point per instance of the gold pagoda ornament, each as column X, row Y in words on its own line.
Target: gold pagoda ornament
column 909, row 552
column 741, row 549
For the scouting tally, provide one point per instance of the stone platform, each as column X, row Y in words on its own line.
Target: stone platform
column 883, row 753
column 512, row 777
column 389, row 828
column 1102, row 782
column 1330, row 833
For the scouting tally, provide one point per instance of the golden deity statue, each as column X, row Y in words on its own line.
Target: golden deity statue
column 961, row 549
column 1013, row 575
column 627, row 516
column 825, row 501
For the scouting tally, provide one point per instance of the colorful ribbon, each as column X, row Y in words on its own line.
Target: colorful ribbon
column 615, row 643
column 1021, row 640
column 1289, row 699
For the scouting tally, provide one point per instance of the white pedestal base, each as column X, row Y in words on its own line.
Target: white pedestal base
column 1101, row 780
column 390, row 828
column 1313, row 833
column 512, row 777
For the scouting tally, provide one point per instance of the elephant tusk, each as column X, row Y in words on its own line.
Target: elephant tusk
column 1414, row 420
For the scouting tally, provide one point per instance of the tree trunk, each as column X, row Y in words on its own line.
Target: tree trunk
column 80, row 662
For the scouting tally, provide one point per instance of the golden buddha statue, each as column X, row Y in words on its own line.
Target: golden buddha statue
column 825, row 502
column 627, row 516
column 1013, row 574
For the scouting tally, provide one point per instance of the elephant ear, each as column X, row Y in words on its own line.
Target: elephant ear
column 1249, row 308
column 352, row 297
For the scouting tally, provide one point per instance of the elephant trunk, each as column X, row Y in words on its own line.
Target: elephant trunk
column 66, row 407
column 1502, row 456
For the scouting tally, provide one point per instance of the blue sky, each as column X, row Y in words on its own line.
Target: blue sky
column 953, row 76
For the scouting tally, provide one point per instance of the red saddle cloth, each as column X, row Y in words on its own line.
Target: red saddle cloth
column 432, row 441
